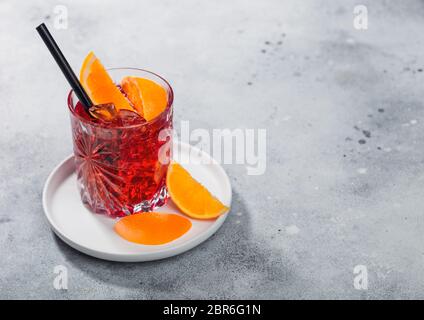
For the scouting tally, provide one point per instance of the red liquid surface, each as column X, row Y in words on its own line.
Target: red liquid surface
column 122, row 164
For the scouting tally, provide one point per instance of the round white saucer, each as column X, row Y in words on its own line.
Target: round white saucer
column 93, row 234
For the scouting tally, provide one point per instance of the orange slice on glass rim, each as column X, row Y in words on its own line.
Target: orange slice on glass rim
column 148, row 98
column 152, row 228
column 99, row 85
column 190, row 196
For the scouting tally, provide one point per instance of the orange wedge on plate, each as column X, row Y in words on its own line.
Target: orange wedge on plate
column 190, row 196
column 99, row 85
column 152, row 228
column 148, row 98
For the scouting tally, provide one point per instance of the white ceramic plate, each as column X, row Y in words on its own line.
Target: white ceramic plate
column 93, row 234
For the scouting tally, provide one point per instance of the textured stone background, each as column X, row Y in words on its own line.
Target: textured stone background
column 299, row 69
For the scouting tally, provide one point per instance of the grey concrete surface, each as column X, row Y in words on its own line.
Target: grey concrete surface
column 344, row 184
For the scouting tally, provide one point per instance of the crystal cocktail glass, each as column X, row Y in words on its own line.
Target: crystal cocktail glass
column 121, row 169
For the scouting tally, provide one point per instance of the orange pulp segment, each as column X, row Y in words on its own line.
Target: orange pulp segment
column 99, row 85
column 148, row 98
column 152, row 228
column 190, row 196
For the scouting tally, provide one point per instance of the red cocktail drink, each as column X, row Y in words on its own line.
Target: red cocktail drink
column 121, row 164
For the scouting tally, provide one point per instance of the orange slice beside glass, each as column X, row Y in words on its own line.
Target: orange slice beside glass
column 190, row 196
column 152, row 228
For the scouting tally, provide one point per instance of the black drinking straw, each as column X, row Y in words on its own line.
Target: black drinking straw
column 64, row 66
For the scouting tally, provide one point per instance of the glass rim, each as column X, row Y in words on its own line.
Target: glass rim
column 170, row 101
